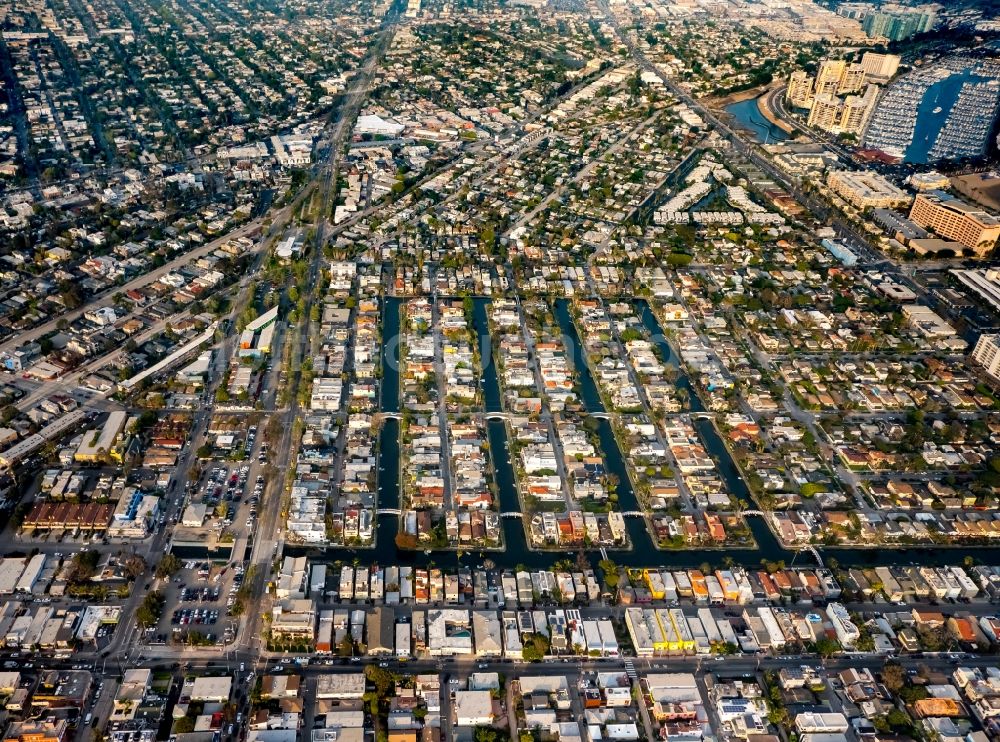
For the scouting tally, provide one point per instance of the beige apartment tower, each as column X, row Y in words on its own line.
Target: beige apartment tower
column 829, row 75
column 857, row 108
column 800, row 89
column 852, row 80
column 825, row 112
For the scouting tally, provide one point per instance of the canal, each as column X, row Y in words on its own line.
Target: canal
column 768, row 544
column 642, row 554
column 636, row 527
column 515, row 539
column 388, row 440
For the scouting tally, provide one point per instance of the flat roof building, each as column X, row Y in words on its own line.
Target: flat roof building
column 987, row 354
column 956, row 220
column 340, row 686
column 866, row 190
column 294, row 620
column 98, row 445
column 214, row 689
column 37, row 731
column 473, row 708
column 880, row 67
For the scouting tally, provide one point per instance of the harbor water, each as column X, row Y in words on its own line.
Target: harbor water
column 747, row 116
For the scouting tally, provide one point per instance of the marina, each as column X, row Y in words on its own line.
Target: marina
column 958, row 101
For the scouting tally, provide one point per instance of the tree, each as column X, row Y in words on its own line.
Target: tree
column 725, row 648
column 610, row 570
column 135, row 565
column 168, row 566
column 679, row 259
column 827, row 647
column 893, row 677
column 406, row 541
column 381, row 678
column 150, row 610
column 488, row 238
column 84, row 566
column 184, row 725
column 371, row 700
column 898, row 720
column 535, row 647
column 489, row 734
column 913, row 693
column 778, row 715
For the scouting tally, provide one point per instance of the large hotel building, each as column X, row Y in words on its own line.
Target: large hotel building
column 956, row 220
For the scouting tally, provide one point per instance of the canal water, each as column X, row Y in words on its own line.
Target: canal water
column 748, row 117
column 515, row 539
column 643, row 554
column 658, row 339
column 637, row 532
column 388, row 441
column 709, row 435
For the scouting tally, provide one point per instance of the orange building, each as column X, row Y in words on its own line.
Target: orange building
column 37, row 731
column 956, row 220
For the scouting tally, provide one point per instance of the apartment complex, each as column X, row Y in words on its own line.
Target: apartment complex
column 855, row 111
column 800, row 89
column 837, row 77
column 823, row 95
column 898, row 26
column 987, row 354
column 956, row 220
column 866, row 190
column 848, row 115
column 825, row 112
column 880, row 67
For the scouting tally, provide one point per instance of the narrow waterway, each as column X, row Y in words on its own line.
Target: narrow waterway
column 636, row 527
column 770, row 548
column 657, row 338
column 388, row 441
column 515, row 540
column 492, row 396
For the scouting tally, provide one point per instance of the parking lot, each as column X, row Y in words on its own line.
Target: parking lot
column 198, row 603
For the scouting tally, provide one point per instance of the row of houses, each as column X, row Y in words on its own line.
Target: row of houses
column 407, row 585
column 441, row 632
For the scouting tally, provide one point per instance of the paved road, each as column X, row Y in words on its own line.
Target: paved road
column 733, row 665
column 268, row 542
column 248, row 651
column 176, row 496
column 103, row 705
column 442, row 404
